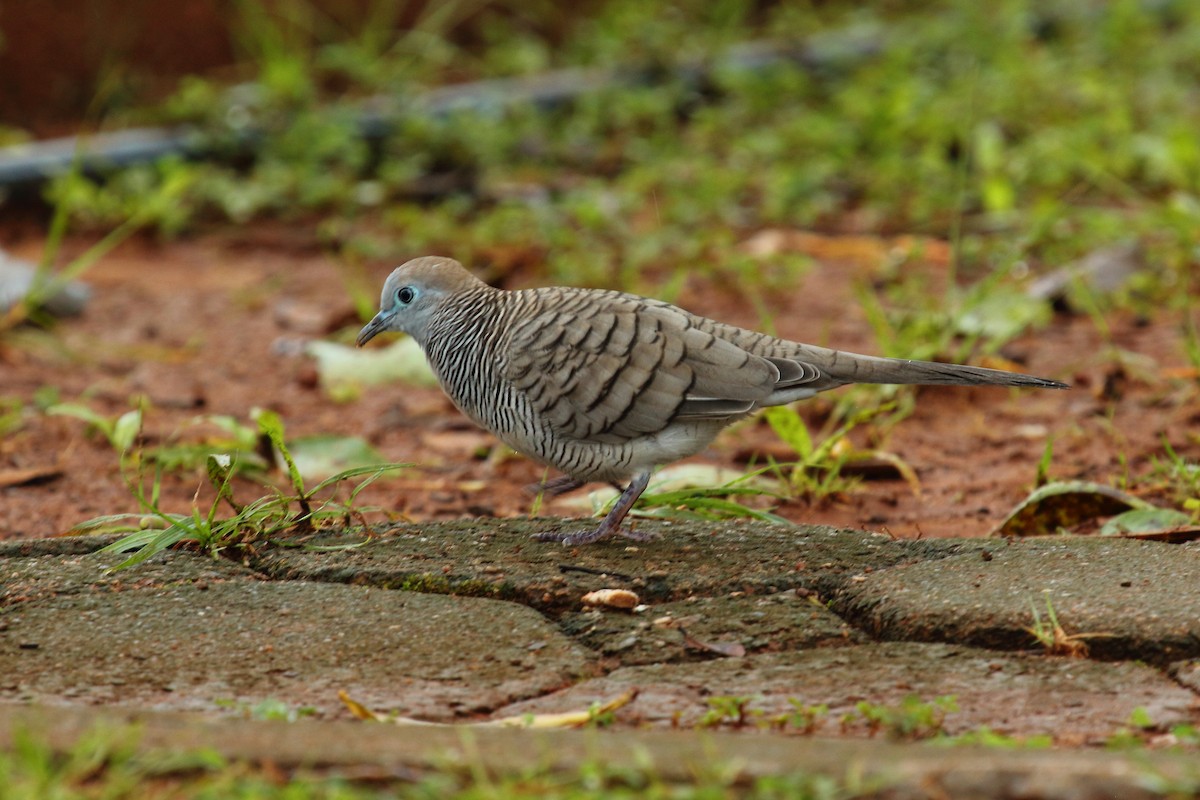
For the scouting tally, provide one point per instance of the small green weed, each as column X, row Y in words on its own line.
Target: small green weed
column 1051, row 635
column 913, row 719
column 803, row 718
column 986, row 737
column 103, row 762
column 817, row 472
column 244, row 444
column 927, row 326
column 121, row 432
column 1178, row 476
column 1042, row 477
column 599, row 717
column 299, row 511
column 12, row 415
column 1140, row 730
column 268, row 709
column 709, row 502
column 1191, row 337
column 729, row 710
column 47, row 281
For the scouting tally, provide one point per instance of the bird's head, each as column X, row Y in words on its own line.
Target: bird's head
column 412, row 295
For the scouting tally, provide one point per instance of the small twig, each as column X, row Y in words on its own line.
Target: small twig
column 593, row 571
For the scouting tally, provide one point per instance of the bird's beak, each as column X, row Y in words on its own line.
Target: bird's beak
column 378, row 323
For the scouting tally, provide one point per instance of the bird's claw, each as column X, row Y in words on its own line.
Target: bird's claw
column 593, row 535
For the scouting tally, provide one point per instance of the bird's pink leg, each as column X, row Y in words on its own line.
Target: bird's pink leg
column 611, row 524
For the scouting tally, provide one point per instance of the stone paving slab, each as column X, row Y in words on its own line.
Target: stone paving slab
column 189, row 645
column 692, row 629
column 54, row 546
column 497, row 558
column 1018, row 694
column 430, row 634
column 1143, row 596
column 63, row 566
column 379, row 753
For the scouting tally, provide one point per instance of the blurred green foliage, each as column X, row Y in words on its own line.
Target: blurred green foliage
column 1024, row 132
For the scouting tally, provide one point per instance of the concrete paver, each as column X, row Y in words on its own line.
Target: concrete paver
column 460, row 621
column 188, row 646
column 693, row 629
column 497, row 558
column 62, row 566
column 1141, row 596
column 1017, row 694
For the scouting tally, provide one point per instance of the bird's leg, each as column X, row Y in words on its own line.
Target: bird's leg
column 611, row 524
column 555, row 486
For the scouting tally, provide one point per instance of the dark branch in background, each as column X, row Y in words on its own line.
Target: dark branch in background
column 28, row 166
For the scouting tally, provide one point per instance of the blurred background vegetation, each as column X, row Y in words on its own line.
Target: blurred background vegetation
column 622, row 143
column 1025, row 132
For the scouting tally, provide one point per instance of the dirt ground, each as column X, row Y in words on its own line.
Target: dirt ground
column 215, row 326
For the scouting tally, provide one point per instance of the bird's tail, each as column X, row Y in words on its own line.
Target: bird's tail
column 846, row 367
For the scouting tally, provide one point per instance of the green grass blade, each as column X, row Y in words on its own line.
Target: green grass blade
column 271, row 426
column 375, row 471
column 147, row 544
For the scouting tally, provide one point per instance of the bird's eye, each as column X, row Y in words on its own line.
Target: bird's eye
column 405, row 295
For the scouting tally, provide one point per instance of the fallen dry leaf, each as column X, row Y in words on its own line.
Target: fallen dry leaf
column 1063, row 505
column 24, row 477
column 868, row 251
column 566, row 719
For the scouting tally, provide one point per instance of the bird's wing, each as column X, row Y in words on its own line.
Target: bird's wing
column 612, row 367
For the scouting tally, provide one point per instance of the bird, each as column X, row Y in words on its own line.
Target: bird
column 606, row 386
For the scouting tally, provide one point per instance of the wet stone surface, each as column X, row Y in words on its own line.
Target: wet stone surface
column 699, row 628
column 1130, row 599
column 470, row 620
column 497, row 558
column 191, row 646
column 1078, row 701
column 40, row 575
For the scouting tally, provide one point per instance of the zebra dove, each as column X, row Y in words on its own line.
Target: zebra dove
column 606, row 386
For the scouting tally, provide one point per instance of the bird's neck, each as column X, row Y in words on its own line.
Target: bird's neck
column 465, row 345
column 464, row 323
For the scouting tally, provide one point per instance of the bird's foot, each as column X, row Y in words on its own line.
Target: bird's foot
column 611, row 524
column 594, row 535
column 639, row 536
column 572, row 539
